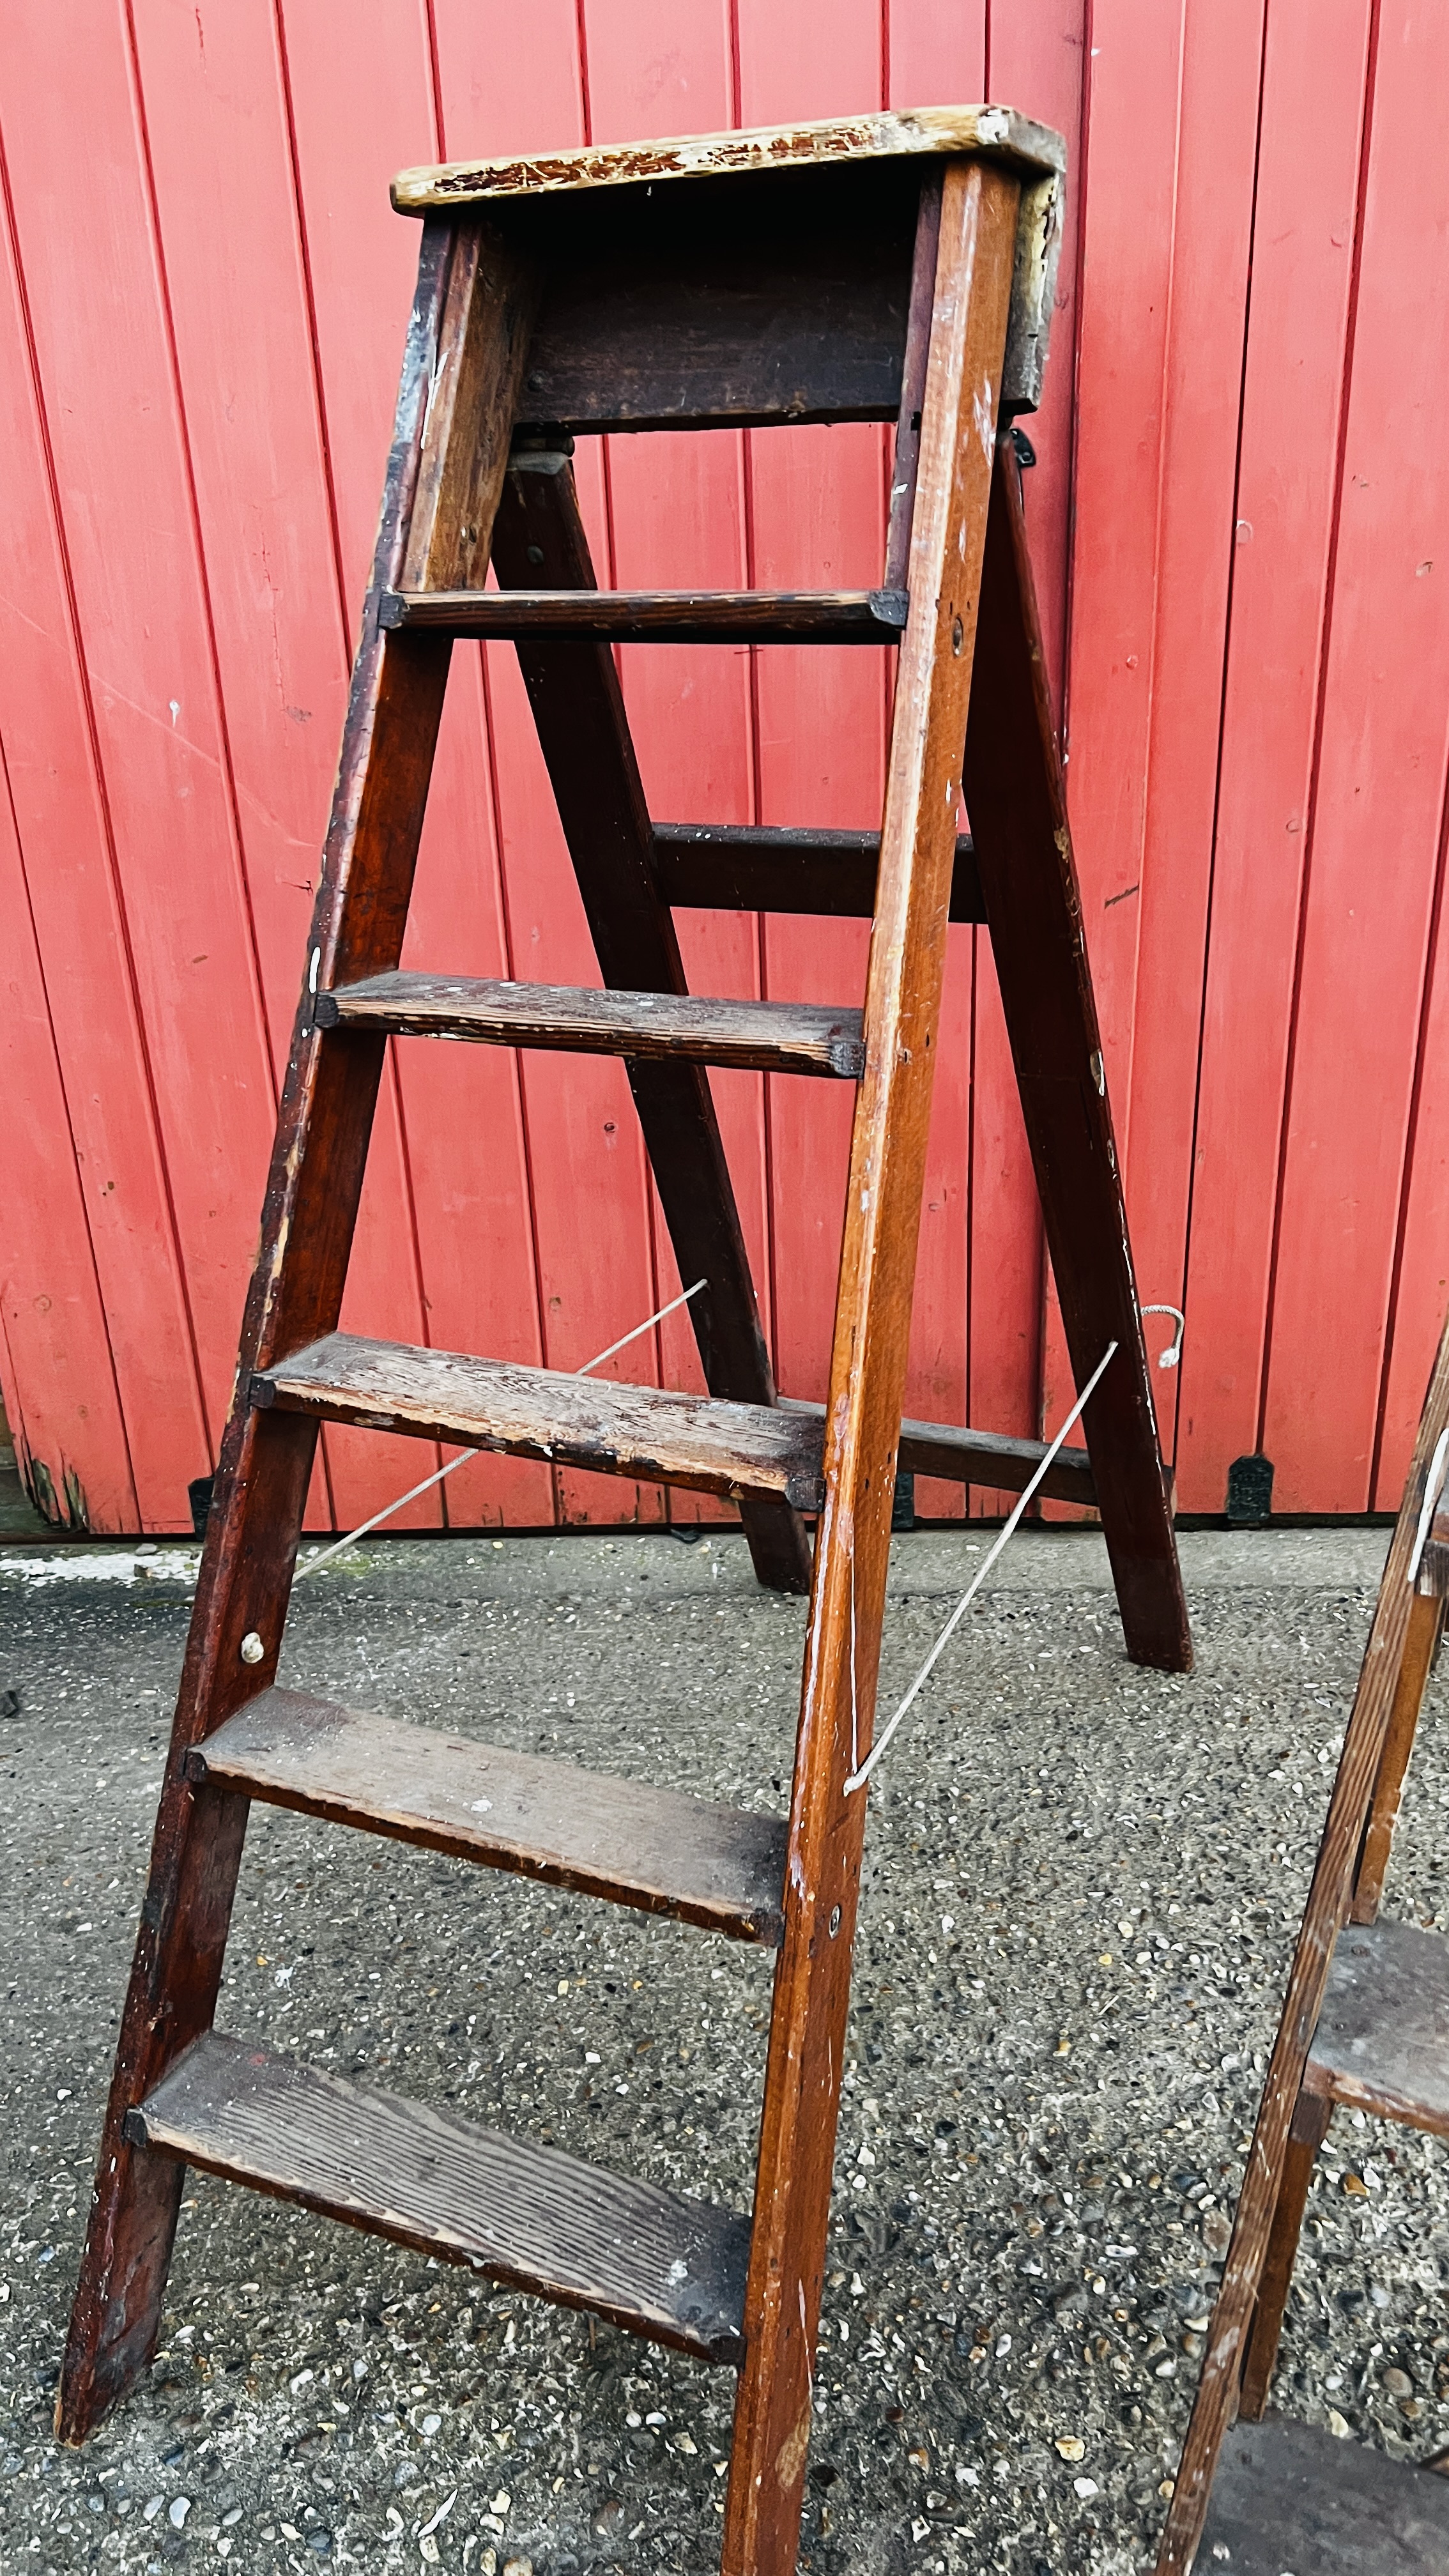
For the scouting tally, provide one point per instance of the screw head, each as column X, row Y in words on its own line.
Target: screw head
column 252, row 1649
column 834, row 1921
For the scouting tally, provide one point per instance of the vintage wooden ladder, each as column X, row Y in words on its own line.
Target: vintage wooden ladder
column 890, row 268
column 1365, row 2023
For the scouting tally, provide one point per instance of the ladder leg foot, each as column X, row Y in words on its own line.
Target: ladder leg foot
column 116, row 2322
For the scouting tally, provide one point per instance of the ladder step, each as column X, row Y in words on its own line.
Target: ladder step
column 522, row 2214
column 764, row 867
column 656, row 616
column 1382, row 2042
column 965, row 1457
column 770, row 1037
column 620, row 1839
column 697, row 1441
column 1292, row 2495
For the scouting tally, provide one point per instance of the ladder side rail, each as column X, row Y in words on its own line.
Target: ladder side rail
column 1022, row 845
column 1420, row 1647
column 583, row 732
column 466, row 292
column 1326, row 1912
column 867, row 1375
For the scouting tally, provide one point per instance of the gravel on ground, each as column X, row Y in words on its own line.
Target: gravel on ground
column 1083, row 1883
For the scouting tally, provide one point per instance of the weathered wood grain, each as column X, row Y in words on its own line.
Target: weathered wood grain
column 655, row 616
column 1022, row 145
column 1291, row 2496
column 1382, row 2041
column 626, row 1840
column 867, row 1371
column 756, row 867
column 710, row 1445
column 526, row 2215
column 774, row 1037
column 1420, row 1647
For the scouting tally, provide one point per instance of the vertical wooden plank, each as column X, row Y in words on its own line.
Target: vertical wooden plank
column 1379, row 788
column 934, row 53
column 521, row 83
column 61, row 1398
column 1207, row 321
column 443, row 1253
column 1131, row 123
column 1035, row 59
column 66, row 897
column 815, row 519
column 105, row 363
column 1302, row 260
column 1422, row 1282
column 677, row 518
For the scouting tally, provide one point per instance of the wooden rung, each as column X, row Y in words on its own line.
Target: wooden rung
column 656, row 616
column 692, row 1440
column 964, row 1457
column 1382, row 2042
column 751, row 867
column 1290, row 2495
column 526, row 2215
column 771, row 1037
column 621, row 1839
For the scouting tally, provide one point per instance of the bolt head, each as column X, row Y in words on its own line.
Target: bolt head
column 252, row 1649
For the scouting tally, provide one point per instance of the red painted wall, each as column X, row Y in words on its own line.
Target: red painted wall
column 1241, row 522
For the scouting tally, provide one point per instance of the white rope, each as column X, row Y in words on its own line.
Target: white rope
column 1432, row 1491
column 858, row 1779
column 1173, row 1353
column 462, row 1459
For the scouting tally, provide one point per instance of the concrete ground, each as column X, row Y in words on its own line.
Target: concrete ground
column 1083, row 1883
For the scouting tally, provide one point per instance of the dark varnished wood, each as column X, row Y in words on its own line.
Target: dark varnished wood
column 751, row 867
column 1290, row 2496
column 583, row 732
column 656, row 616
column 1382, row 2041
column 308, row 1217
column 1022, row 842
column 867, row 1373
column 965, row 1457
column 913, row 383
column 772, row 1037
column 703, row 1442
column 626, row 1840
column 1329, row 1898
column 1306, row 2132
column 1426, row 1620
column 526, row 2215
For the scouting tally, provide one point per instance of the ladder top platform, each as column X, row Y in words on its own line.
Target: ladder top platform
column 997, row 132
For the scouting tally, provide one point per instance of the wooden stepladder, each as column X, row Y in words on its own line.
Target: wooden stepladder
column 890, row 268
column 1365, row 2023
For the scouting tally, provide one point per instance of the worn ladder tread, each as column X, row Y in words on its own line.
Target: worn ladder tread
column 769, row 1037
column 702, row 1442
column 621, row 1839
column 1291, row 2495
column 526, row 2215
column 1382, row 2041
column 762, row 867
column 656, row 616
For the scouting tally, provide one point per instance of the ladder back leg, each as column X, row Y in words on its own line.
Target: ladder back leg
column 867, row 1373
column 583, row 731
column 1022, row 841
column 1306, row 2132
column 472, row 308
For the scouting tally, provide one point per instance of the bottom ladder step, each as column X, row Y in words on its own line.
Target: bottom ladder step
column 1289, row 2495
column 671, row 2269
